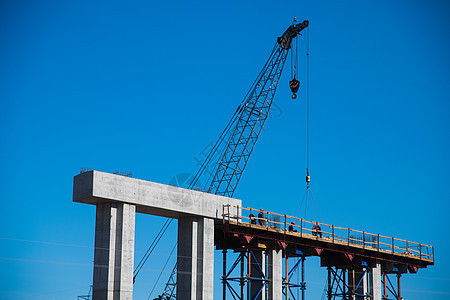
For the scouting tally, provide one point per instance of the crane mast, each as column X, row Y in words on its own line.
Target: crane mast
column 245, row 128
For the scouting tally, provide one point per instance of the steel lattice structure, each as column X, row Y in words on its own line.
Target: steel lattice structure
column 170, row 290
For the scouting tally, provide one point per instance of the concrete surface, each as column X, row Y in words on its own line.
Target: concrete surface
column 96, row 187
column 274, row 274
column 114, row 251
column 258, row 270
column 376, row 279
column 195, row 269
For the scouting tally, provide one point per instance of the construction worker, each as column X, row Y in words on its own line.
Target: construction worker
column 261, row 218
column 252, row 218
column 317, row 230
column 291, row 227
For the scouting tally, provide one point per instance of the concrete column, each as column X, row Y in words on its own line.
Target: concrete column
column 365, row 282
column 195, row 274
column 376, row 282
column 258, row 270
column 275, row 274
column 114, row 251
column 358, row 276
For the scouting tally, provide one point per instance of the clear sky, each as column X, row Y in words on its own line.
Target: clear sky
column 145, row 86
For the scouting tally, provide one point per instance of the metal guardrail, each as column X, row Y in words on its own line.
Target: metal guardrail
column 327, row 232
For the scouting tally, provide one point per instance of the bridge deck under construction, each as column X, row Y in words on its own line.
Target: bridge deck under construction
column 337, row 246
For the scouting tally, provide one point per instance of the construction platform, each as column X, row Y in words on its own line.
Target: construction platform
column 339, row 247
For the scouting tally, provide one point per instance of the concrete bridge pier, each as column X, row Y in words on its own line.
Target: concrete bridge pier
column 195, row 264
column 114, row 251
column 267, row 269
column 376, row 282
column 274, row 274
column 258, row 274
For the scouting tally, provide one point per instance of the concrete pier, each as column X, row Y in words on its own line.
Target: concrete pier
column 195, row 274
column 258, row 270
column 376, row 282
column 114, row 251
column 274, row 274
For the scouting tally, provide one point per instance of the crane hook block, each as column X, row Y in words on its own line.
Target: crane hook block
column 294, row 84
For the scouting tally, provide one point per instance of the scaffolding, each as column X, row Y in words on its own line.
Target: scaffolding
column 246, row 278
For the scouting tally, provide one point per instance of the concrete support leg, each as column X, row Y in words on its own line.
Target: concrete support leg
column 275, row 274
column 376, row 282
column 365, row 282
column 257, row 273
column 195, row 256
column 114, row 251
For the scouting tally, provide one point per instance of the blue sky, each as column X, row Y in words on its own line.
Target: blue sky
column 145, row 86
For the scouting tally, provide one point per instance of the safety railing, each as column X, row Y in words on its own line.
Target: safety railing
column 325, row 232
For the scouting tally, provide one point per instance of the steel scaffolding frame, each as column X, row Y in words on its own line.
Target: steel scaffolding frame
column 388, row 286
column 244, row 279
column 339, row 288
column 287, row 280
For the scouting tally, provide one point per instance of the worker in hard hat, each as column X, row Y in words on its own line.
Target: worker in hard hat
column 261, row 218
column 252, row 218
column 316, row 230
column 291, row 227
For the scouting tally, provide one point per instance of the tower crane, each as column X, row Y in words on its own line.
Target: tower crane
column 241, row 134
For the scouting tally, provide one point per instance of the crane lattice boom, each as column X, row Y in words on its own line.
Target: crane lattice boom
column 253, row 114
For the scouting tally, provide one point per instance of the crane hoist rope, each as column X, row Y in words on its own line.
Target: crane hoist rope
column 308, row 195
column 307, row 101
column 150, row 249
column 160, row 274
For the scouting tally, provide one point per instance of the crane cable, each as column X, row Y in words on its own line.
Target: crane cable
column 162, row 271
column 308, row 192
column 151, row 248
column 307, row 102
